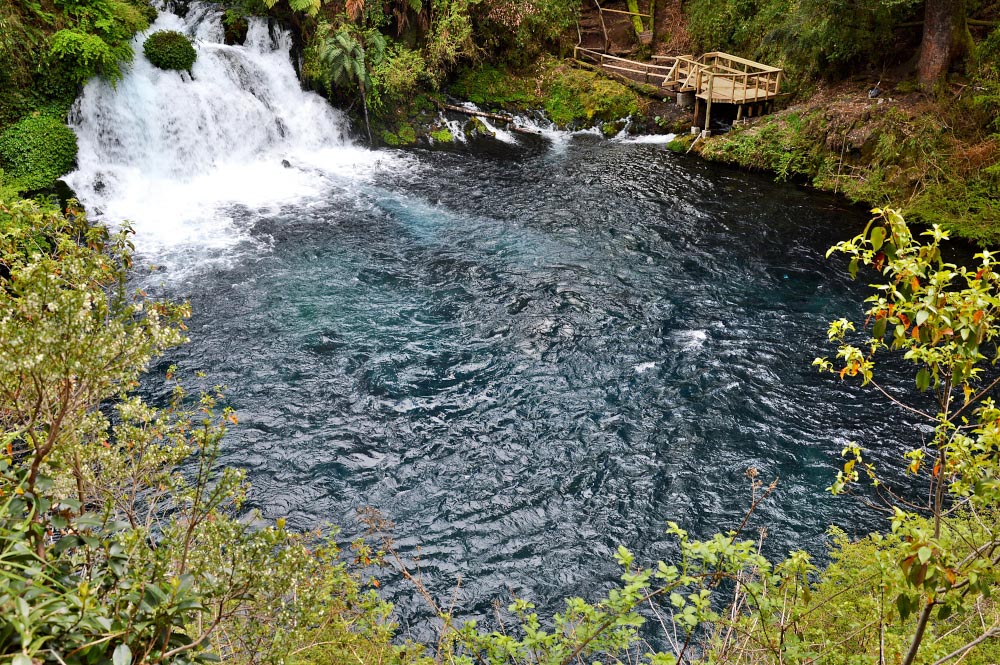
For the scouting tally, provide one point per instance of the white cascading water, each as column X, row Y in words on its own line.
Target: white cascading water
column 175, row 152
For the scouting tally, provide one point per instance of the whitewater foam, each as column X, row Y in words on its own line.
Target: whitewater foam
column 175, row 152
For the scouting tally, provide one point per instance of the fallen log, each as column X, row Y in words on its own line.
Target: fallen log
column 492, row 116
column 476, row 112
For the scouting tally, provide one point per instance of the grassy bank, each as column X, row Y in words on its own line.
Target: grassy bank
column 931, row 157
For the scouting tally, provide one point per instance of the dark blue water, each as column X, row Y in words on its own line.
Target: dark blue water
column 526, row 358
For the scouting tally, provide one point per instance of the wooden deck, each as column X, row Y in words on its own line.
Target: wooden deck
column 713, row 78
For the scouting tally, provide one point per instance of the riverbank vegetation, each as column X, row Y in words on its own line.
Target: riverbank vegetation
column 110, row 551
column 870, row 116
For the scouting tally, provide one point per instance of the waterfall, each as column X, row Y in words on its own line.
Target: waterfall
column 175, row 153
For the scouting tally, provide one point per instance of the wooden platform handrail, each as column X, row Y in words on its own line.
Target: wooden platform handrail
column 603, row 58
column 622, row 11
column 719, row 55
column 598, row 55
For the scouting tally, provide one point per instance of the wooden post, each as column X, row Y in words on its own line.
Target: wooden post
column 604, row 28
column 708, row 104
column 739, row 112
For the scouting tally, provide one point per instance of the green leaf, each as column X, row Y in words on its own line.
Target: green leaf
column 122, row 655
column 922, row 316
column 903, row 606
column 923, row 379
column 878, row 331
column 924, row 554
column 877, row 237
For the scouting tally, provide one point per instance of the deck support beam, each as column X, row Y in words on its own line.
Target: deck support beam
column 708, row 102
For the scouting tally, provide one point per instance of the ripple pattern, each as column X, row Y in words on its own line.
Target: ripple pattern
column 527, row 358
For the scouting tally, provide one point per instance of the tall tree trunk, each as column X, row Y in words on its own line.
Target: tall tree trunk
column 946, row 40
column 633, row 6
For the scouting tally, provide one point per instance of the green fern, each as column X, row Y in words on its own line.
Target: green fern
column 87, row 55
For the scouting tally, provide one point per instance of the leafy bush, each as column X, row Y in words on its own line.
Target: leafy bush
column 518, row 31
column 36, row 151
column 168, row 49
column 396, row 78
column 87, row 55
column 108, row 552
column 451, row 36
column 96, row 41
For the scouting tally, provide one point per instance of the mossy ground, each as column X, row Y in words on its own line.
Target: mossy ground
column 403, row 125
column 569, row 96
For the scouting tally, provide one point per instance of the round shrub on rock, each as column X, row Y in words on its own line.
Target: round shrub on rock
column 168, row 49
column 36, row 151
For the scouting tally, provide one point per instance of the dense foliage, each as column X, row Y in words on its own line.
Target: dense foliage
column 36, row 151
column 107, row 551
column 47, row 50
column 169, row 49
column 811, row 37
column 96, row 43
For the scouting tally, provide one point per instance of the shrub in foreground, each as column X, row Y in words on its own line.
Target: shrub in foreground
column 108, row 551
column 36, row 151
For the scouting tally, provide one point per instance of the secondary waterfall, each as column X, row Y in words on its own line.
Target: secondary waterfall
column 174, row 152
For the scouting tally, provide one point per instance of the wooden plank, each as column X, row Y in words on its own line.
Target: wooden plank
column 616, row 68
column 598, row 56
column 622, row 11
column 733, row 58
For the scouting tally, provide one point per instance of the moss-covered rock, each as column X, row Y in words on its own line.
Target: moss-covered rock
column 442, row 135
column 36, row 151
column 475, row 127
column 168, row 49
column 407, row 134
column 490, row 87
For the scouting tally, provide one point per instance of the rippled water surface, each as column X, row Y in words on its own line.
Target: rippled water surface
column 525, row 358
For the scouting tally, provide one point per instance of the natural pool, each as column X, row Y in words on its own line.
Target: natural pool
column 523, row 353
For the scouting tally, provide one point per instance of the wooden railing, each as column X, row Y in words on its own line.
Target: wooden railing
column 681, row 71
column 654, row 74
